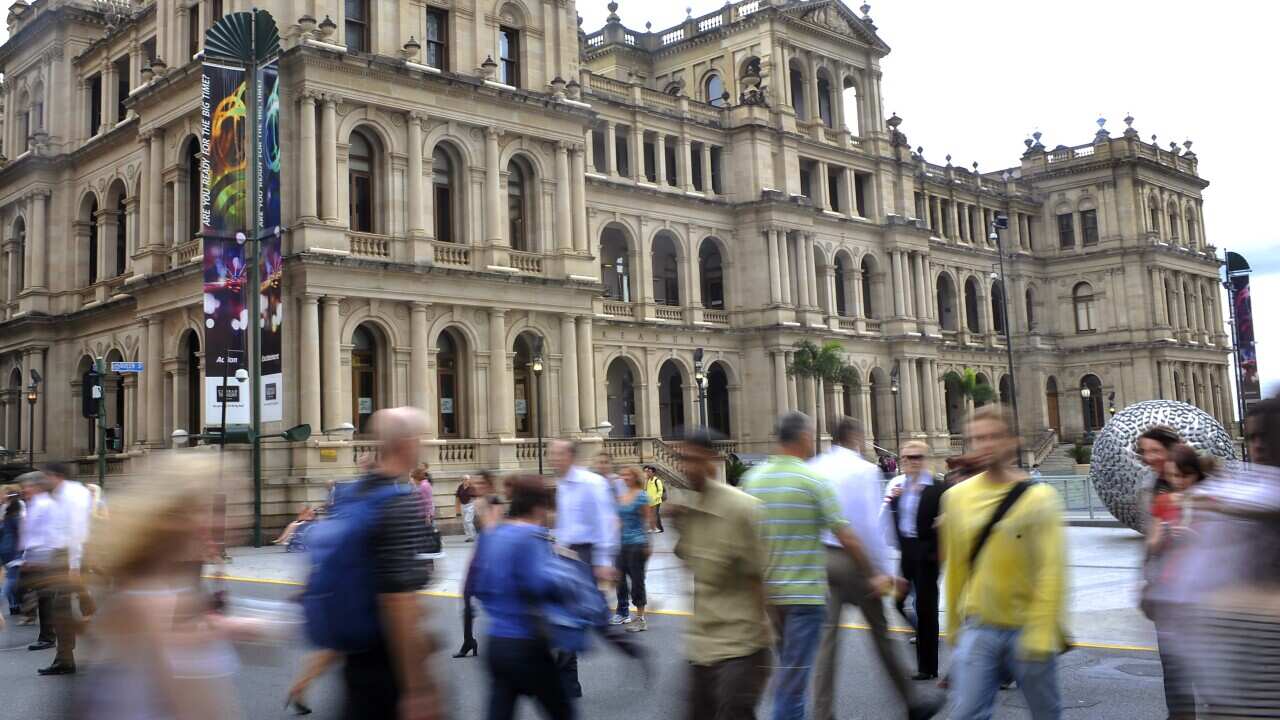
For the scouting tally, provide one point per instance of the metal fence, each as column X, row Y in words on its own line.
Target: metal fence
column 1078, row 496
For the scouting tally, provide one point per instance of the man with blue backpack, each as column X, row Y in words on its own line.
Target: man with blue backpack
column 367, row 564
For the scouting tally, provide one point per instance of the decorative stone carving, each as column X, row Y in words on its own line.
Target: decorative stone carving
column 1117, row 472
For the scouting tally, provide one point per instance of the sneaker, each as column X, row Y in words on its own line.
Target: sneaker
column 620, row 620
column 638, row 626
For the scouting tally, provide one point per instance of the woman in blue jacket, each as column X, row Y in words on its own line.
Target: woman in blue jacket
column 11, row 547
column 510, row 576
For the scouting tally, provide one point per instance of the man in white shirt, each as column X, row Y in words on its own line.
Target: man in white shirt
column 858, row 487
column 59, row 547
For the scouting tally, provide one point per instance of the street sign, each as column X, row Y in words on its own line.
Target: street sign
column 126, row 367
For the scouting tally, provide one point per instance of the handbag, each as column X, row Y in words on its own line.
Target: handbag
column 1003, row 509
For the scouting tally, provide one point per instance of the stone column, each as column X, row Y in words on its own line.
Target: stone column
column 492, row 189
column 954, row 211
column 908, row 391
column 966, row 223
column 307, row 158
column 611, row 147
column 780, row 394
column 580, row 241
column 564, row 204
column 36, row 250
column 812, row 98
column 775, row 269
column 930, row 395
column 804, row 280
column 708, row 186
column 660, row 159
column 416, row 224
column 154, row 378
column 155, row 199
column 419, row 364
column 922, row 296
column 589, row 147
column 784, row 257
column 329, row 159
column 569, row 384
column 309, row 365
column 821, row 193
column 637, row 154
column 899, row 297
column 864, row 408
column 501, row 411
column 336, row 411
column 984, row 310
column 811, row 263
column 586, row 375
column 793, row 394
column 1159, row 297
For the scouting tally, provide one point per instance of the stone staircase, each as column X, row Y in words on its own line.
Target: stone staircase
column 1059, row 461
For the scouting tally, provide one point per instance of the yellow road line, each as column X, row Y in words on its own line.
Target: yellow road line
column 672, row 613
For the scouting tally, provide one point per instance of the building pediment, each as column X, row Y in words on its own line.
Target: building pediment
column 833, row 16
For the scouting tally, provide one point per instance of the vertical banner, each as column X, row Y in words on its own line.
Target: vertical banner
column 224, row 207
column 1246, row 353
column 269, row 250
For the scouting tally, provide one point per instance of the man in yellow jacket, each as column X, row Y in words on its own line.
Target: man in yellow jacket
column 1004, row 603
column 655, row 489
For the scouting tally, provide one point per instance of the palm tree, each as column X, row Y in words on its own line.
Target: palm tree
column 824, row 364
column 970, row 386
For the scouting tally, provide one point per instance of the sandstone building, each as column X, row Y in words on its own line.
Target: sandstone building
column 467, row 178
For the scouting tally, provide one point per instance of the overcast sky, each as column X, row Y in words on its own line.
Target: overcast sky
column 974, row 79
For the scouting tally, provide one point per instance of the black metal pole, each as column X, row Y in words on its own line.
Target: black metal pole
column 100, row 423
column 897, row 424
column 1235, row 355
column 222, row 432
column 537, row 418
column 254, row 287
column 1008, row 342
column 31, row 418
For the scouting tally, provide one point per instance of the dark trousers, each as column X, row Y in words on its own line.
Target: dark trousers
column 729, row 689
column 623, row 641
column 657, row 517
column 468, row 620
column 921, row 573
column 372, row 692
column 53, row 602
column 1171, row 623
column 524, row 668
column 631, row 564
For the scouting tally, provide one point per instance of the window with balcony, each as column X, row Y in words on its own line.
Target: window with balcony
column 443, row 182
column 1083, row 302
column 806, row 179
column 1066, row 231
column 711, row 275
column 360, row 176
column 122, row 87
column 717, row 184
column 194, row 31
column 509, row 60
column 672, row 169
column 520, row 205
column 695, row 169
column 835, row 182
column 1089, row 227
column 861, row 191
column 714, row 92
column 437, row 36
column 795, row 79
column 666, row 270
column 824, row 101
column 356, row 29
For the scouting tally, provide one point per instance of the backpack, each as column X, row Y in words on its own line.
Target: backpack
column 576, row 609
column 339, row 603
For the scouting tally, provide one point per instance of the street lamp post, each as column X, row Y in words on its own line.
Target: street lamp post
column 536, row 366
column 1085, row 394
column 700, row 377
column 33, row 395
column 1001, row 222
column 897, row 411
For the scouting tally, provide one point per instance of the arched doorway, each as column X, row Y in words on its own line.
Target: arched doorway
column 620, row 388
column 955, row 404
column 89, row 221
column 1053, row 417
column 671, row 410
column 521, row 205
column 947, row 315
column 450, row 418
column 841, row 267
column 718, row 418
column 1091, row 403
column 997, row 308
column 615, row 264
column 983, row 380
column 1006, row 389
column 525, row 387
column 190, row 353
column 711, row 275
column 446, row 194
column 362, row 188
column 365, row 388
column 971, row 300
column 666, row 270
column 871, row 307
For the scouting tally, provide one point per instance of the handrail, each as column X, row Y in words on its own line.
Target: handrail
column 1044, row 445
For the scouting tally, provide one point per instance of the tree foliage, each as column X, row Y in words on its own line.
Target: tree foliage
column 970, row 386
column 822, row 362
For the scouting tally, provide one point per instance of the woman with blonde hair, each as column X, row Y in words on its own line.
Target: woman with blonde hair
column 163, row 648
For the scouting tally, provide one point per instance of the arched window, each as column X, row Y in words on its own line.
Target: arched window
column 615, row 264
column 842, row 306
column 525, row 385
column 711, row 275
column 364, row 377
column 122, row 234
column 1031, row 310
column 870, row 308
column 666, row 271
column 718, row 400
column 796, row 78
column 824, row 101
column 449, row 380
column 89, row 218
column 193, row 158
column 852, row 115
column 713, row 90
column 1082, row 300
column 620, row 390
column 671, row 410
column 445, row 200
column 948, row 318
column 1091, row 403
column 520, row 205
column 1193, row 230
column 1174, row 225
column 360, row 174
column 997, row 307
column 19, row 257
column 1153, row 217
column 971, row 299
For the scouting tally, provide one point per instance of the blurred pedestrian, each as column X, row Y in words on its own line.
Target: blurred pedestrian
column 1153, row 448
column 293, row 537
column 1003, row 549
column 487, row 513
column 422, row 479
column 360, row 597
column 462, row 499
column 656, row 490
column 603, row 466
column 857, row 485
column 11, row 546
column 161, row 648
column 511, row 576
column 913, row 509
column 53, row 553
column 798, row 505
column 633, row 510
column 729, row 635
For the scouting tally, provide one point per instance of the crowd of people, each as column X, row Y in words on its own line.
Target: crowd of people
column 560, row 564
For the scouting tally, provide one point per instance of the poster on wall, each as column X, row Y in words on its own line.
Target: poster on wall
column 224, row 215
column 270, row 259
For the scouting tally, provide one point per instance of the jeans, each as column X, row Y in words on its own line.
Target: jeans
column 524, row 667
column 982, row 656
column 631, row 564
column 657, row 517
column 729, row 689
column 469, row 520
column 799, row 629
column 10, row 589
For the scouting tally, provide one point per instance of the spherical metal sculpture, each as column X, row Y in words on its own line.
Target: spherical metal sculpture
column 1117, row 472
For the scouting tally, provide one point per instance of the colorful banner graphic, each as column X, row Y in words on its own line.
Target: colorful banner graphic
column 269, row 250
column 1246, row 352
column 223, row 212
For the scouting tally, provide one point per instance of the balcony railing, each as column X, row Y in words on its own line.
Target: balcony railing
column 187, row 252
column 622, row 448
column 452, row 254
column 528, row 450
column 667, row 312
column 715, row 317
column 457, row 453
column 526, row 262
column 847, row 323
column 364, row 245
column 617, row 308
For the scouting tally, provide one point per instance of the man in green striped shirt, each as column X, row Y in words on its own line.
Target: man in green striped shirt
column 798, row 505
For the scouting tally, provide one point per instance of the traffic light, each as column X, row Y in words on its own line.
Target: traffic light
column 90, row 393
